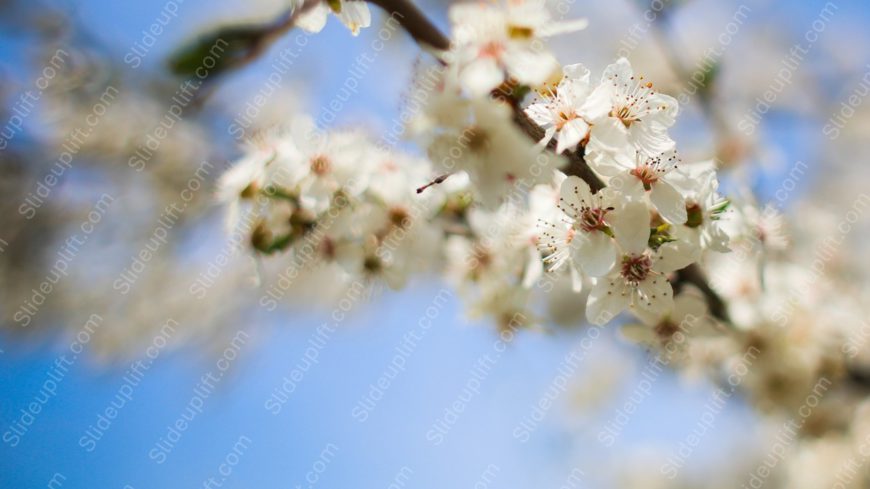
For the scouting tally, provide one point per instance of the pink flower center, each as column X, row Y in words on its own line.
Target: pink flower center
column 624, row 115
column 592, row 219
column 634, row 101
column 646, row 174
column 565, row 117
column 635, row 268
column 320, row 165
column 492, row 50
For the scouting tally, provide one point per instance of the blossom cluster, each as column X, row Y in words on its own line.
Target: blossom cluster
column 508, row 205
column 333, row 200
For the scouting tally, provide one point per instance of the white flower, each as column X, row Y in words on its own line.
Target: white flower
column 506, row 304
column 544, row 199
column 335, row 237
column 247, row 177
column 491, row 42
column 394, row 181
column 399, row 218
column 497, row 267
column 704, row 209
column 502, row 251
column 479, row 137
column 652, row 175
column 564, row 114
column 352, row 13
column 638, row 282
column 767, row 226
column 689, row 319
column 627, row 115
column 317, row 166
column 583, row 237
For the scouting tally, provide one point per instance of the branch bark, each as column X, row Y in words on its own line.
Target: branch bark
column 693, row 274
column 415, row 23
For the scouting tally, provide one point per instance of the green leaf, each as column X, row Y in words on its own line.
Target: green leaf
column 219, row 51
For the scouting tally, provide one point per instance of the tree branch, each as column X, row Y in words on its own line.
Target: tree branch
column 693, row 274
column 415, row 23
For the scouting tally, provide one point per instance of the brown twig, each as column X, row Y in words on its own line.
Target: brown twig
column 415, row 23
column 692, row 274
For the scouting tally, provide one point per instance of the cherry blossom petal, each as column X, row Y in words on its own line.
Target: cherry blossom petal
column 598, row 105
column 556, row 28
column 607, row 299
column 314, row 19
column 355, row 15
column 620, row 70
column 628, row 185
column 576, row 72
column 540, row 113
column 647, row 317
column 576, row 280
column 716, row 238
column 481, row 75
column 631, row 227
column 674, row 256
column 668, row 201
column 548, row 136
column 650, row 138
column 609, row 134
column 571, row 134
column 654, row 296
column 574, row 194
column 665, row 109
column 596, row 253
column 529, row 66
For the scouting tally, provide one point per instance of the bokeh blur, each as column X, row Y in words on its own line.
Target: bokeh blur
column 180, row 370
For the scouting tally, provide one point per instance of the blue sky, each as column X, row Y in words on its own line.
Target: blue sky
column 285, row 447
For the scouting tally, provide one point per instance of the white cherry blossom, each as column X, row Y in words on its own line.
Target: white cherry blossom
column 705, row 209
column 320, row 164
column 492, row 42
column 628, row 115
column 582, row 237
column 688, row 319
column 564, row 111
column 479, row 137
column 639, row 280
column 650, row 175
column 503, row 251
column 353, row 14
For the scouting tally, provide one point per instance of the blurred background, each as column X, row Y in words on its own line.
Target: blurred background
column 190, row 368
